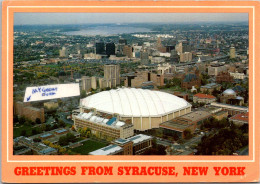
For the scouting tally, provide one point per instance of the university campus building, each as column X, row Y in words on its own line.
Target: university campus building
column 135, row 145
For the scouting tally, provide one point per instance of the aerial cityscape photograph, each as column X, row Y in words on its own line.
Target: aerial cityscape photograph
column 149, row 83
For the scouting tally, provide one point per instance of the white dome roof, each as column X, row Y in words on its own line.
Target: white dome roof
column 229, row 92
column 132, row 102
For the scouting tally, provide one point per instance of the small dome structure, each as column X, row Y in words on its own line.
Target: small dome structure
column 229, row 92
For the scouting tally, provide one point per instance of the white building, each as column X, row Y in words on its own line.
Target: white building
column 145, row 108
column 237, row 75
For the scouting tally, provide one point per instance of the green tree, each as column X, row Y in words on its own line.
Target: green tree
column 156, row 149
column 176, row 82
column 83, row 94
column 15, row 119
column 48, row 127
column 226, row 141
column 63, row 141
column 38, row 121
column 23, row 133
column 71, row 137
column 34, row 131
column 37, row 139
column 22, row 120
column 61, row 123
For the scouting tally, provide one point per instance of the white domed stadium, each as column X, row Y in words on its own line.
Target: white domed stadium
column 146, row 108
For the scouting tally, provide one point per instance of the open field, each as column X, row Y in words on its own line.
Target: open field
column 88, row 146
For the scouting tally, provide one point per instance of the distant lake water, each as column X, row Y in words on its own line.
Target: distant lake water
column 107, row 30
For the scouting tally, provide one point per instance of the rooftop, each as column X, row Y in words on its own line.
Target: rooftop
column 121, row 141
column 240, row 117
column 210, row 85
column 46, row 135
column 112, row 148
column 100, row 120
column 39, row 147
column 173, row 125
column 132, row 102
column 196, row 115
column 189, row 77
column 229, row 92
column 201, row 95
column 61, row 131
column 229, row 106
column 47, row 150
column 108, row 150
column 139, row 138
column 220, row 113
column 238, row 89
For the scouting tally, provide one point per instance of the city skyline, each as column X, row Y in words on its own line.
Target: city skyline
column 119, row 18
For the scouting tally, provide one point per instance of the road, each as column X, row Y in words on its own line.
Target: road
column 193, row 140
column 186, row 147
column 162, row 142
column 63, row 117
column 84, row 140
column 244, row 151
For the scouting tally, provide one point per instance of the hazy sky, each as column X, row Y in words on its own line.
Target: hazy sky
column 81, row 18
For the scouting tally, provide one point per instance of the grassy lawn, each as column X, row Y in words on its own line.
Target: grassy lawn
column 88, row 146
column 17, row 130
column 174, row 88
column 68, row 125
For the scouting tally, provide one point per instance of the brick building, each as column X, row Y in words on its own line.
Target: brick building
column 203, row 98
column 128, row 51
column 135, row 145
column 215, row 69
column 183, row 95
column 190, row 80
column 240, row 119
column 189, row 121
column 229, row 96
column 104, row 125
column 186, row 57
column 209, row 88
column 139, row 78
column 191, row 77
column 220, row 115
column 224, row 77
column 26, row 110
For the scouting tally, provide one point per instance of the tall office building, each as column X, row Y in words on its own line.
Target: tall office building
column 186, row 47
column 169, row 48
column 144, row 58
column 174, row 56
column 183, row 47
column 93, row 83
column 88, row 83
column 110, row 49
column 100, row 48
column 112, row 73
column 232, row 53
column 159, row 42
column 128, row 51
column 186, row 57
column 120, row 46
